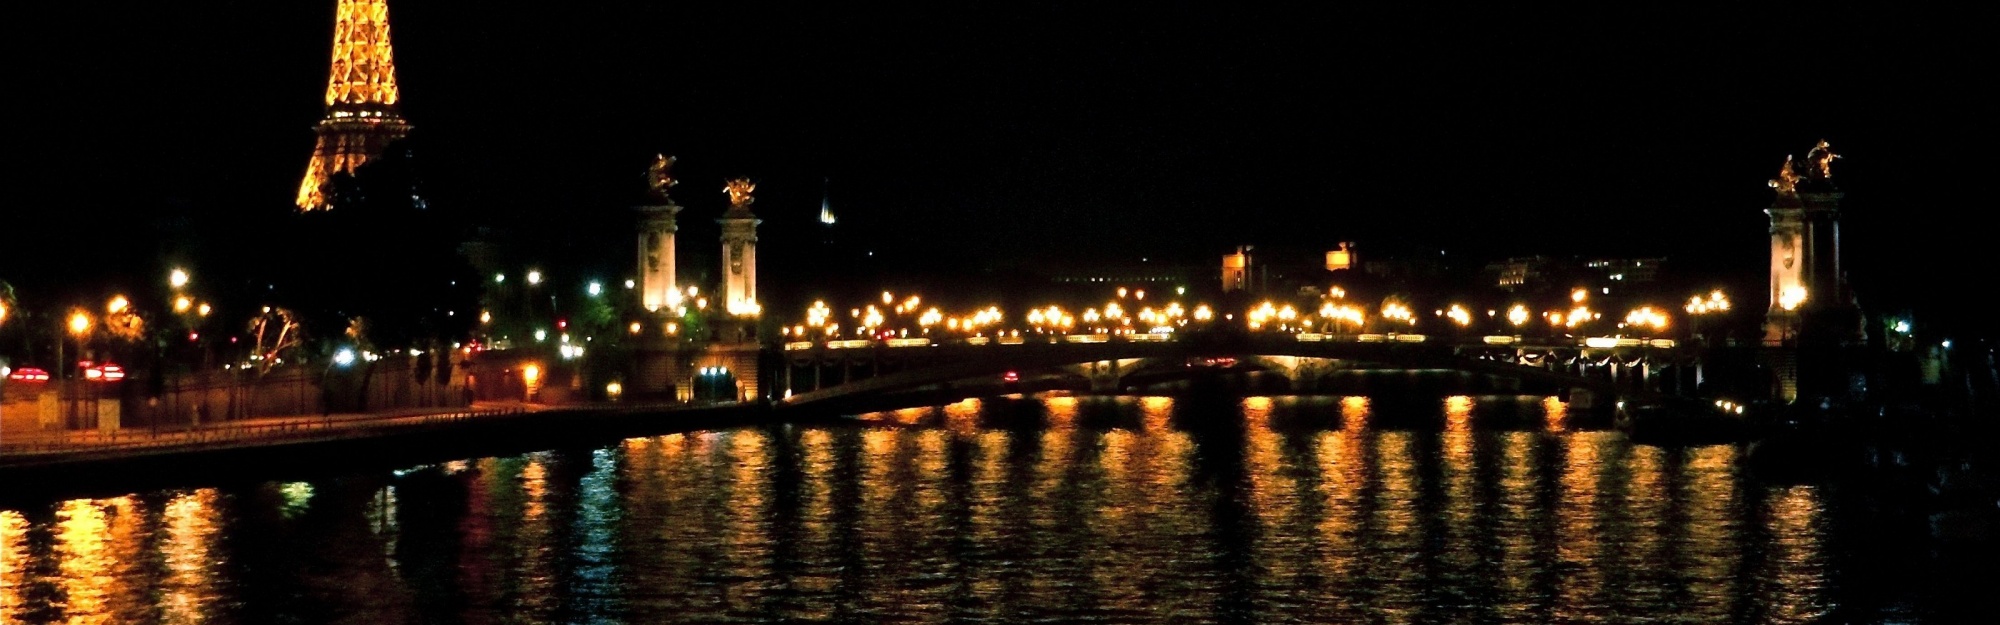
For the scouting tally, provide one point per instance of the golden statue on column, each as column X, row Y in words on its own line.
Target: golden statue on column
column 739, row 191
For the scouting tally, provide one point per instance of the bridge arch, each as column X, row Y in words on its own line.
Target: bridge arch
column 935, row 365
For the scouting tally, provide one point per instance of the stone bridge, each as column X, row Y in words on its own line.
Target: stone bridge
column 831, row 372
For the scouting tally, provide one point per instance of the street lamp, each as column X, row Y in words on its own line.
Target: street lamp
column 1645, row 317
column 1791, row 298
column 1717, row 303
column 79, row 325
column 4, row 370
column 178, row 278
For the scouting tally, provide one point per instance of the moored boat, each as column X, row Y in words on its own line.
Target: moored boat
column 1678, row 421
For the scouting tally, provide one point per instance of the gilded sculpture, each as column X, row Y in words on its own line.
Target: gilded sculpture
column 1787, row 182
column 660, row 176
column 1821, row 159
column 1815, row 173
column 739, row 193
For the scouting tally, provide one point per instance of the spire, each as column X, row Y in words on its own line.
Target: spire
column 363, row 75
column 825, row 203
column 361, row 99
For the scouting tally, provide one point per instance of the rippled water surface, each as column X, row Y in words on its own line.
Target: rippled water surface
column 1149, row 510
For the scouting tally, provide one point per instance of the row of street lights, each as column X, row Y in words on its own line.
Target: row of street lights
column 1335, row 314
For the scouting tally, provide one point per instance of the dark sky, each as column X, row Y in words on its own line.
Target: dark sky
column 1012, row 132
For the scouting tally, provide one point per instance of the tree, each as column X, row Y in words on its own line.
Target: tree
column 378, row 253
column 275, row 330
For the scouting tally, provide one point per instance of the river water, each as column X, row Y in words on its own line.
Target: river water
column 1051, row 509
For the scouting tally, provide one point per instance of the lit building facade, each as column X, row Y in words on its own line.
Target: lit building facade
column 1341, row 259
column 1236, row 270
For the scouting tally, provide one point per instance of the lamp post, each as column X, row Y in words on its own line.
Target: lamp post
column 1698, row 309
column 79, row 326
column 4, row 372
column 342, row 358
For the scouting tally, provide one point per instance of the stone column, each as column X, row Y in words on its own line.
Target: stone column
column 656, row 256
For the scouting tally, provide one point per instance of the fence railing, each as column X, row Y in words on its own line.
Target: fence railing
column 226, row 433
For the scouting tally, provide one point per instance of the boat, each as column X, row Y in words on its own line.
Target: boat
column 1680, row 422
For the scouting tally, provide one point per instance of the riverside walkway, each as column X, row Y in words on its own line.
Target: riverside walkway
column 37, row 447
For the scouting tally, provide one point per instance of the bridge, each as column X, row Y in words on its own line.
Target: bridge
column 1588, row 370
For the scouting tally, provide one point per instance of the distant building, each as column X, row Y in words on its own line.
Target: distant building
column 1133, row 274
column 1516, row 273
column 1404, row 268
column 1236, row 269
column 1533, row 272
column 1627, row 270
column 1340, row 259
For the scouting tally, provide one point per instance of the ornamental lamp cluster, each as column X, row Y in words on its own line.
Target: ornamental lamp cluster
column 1459, row 315
column 1340, row 315
column 1398, row 312
column 1267, row 312
column 1645, row 317
column 1715, row 303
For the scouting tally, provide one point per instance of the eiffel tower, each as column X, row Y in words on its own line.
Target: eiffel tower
column 361, row 113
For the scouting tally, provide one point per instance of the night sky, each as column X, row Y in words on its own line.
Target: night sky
column 1019, row 133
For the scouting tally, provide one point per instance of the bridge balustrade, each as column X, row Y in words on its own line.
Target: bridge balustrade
column 1593, row 342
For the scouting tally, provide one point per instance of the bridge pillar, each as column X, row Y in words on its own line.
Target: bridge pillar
column 1582, row 399
column 742, row 361
column 1304, row 375
column 1104, row 376
column 1784, row 367
column 662, row 370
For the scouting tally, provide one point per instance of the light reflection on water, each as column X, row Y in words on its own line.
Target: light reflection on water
column 1148, row 509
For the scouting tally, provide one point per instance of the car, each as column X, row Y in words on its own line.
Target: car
column 29, row 374
column 106, row 372
column 1011, row 377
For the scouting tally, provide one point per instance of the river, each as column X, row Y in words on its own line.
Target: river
column 1040, row 509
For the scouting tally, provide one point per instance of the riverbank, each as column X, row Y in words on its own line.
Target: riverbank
column 345, row 443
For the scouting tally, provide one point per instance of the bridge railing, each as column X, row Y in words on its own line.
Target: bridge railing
column 1592, row 342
